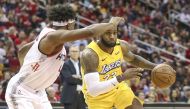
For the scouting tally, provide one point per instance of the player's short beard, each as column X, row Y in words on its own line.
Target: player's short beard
column 109, row 45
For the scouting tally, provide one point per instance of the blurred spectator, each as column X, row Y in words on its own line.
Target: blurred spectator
column 51, row 93
column 71, row 95
column 4, row 83
column 175, row 95
column 188, row 51
column 186, row 94
column 152, row 96
column 2, row 51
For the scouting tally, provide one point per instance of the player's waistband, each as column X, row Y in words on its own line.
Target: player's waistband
column 29, row 89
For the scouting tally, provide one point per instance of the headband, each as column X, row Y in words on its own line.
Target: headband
column 61, row 23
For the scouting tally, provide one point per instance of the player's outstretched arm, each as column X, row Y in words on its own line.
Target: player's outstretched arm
column 23, row 51
column 135, row 60
column 58, row 37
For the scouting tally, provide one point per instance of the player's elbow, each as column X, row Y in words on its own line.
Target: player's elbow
column 92, row 91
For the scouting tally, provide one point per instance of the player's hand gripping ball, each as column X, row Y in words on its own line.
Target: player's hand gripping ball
column 163, row 76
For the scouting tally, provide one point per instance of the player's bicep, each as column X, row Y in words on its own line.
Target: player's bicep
column 127, row 54
column 89, row 61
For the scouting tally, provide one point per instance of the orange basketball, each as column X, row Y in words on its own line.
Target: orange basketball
column 163, row 76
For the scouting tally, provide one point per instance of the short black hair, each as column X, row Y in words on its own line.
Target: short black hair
column 60, row 12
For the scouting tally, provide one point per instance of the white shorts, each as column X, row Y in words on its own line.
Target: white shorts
column 21, row 97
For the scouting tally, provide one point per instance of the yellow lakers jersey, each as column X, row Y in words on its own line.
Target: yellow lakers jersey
column 109, row 64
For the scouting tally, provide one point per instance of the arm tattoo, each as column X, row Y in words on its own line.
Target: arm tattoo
column 143, row 63
column 135, row 60
column 86, row 60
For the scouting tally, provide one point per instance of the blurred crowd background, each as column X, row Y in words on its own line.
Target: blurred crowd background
column 158, row 30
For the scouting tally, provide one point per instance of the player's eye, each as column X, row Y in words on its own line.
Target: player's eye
column 108, row 33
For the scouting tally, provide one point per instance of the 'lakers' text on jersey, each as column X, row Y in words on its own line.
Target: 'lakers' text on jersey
column 108, row 67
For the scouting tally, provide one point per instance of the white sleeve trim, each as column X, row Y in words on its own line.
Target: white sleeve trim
column 95, row 87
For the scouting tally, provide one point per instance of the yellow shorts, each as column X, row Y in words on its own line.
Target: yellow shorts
column 120, row 98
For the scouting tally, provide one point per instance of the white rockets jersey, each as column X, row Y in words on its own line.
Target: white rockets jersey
column 38, row 70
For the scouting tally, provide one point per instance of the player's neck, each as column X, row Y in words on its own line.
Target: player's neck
column 105, row 49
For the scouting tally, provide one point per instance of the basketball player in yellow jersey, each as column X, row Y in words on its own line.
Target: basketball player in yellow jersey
column 103, row 80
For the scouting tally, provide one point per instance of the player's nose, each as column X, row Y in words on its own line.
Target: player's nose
column 112, row 36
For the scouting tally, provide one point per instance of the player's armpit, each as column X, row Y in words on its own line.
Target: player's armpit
column 89, row 60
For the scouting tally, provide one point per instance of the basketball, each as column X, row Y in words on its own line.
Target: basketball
column 163, row 76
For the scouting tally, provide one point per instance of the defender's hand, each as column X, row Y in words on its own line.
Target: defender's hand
column 117, row 20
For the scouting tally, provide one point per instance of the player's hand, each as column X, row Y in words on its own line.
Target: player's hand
column 133, row 73
column 117, row 20
column 76, row 76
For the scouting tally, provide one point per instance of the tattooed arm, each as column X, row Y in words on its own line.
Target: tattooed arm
column 134, row 59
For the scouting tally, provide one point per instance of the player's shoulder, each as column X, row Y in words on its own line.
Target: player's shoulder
column 124, row 45
column 88, row 52
column 89, row 58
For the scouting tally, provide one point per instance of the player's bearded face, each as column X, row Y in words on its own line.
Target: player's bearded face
column 109, row 38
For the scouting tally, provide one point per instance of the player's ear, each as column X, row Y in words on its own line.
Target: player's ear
column 71, row 25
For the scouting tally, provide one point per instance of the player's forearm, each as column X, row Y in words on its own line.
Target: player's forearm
column 94, row 30
column 139, row 61
column 100, row 28
column 96, row 87
column 72, row 35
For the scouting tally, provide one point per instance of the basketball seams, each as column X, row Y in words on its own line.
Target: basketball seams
column 170, row 75
column 159, row 80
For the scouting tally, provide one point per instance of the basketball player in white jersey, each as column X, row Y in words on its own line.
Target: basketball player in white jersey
column 45, row 56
